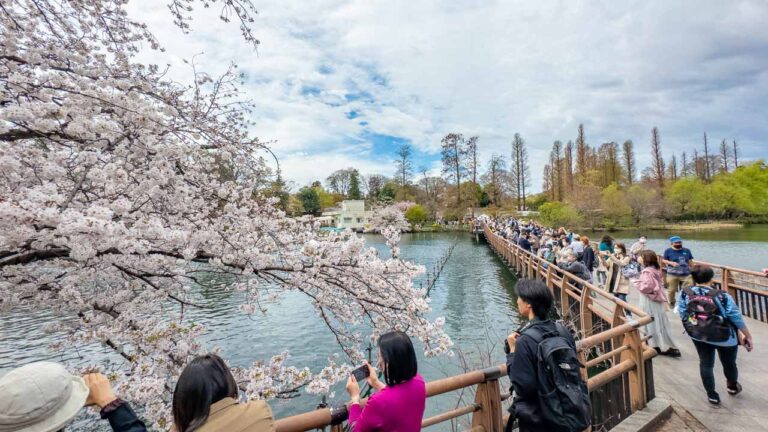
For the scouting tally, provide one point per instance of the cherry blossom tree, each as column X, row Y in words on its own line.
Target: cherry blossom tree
column 122, row 190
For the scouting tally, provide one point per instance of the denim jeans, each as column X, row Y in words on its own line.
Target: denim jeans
column 727, row 356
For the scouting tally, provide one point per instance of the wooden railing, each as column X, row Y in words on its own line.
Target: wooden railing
column 618, row 368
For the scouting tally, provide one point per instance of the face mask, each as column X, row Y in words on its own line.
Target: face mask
column 642, row 241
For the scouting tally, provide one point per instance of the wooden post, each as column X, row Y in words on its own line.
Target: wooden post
column 726, row 275
column 564, row 302
column 637, row 394
column 585, row 311
column 488, row 396
column 618, row 319
column 530, row 267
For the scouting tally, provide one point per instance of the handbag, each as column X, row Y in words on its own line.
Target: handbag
column 631, row 270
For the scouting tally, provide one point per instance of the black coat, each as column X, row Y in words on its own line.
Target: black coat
column 123, row 419
column 588, row 258
column 522, row 371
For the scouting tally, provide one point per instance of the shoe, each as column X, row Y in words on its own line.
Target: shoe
column 734, row 390
column 658, row 350
column 672, row 352
column 713, row 398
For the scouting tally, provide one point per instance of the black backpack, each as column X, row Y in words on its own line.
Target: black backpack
column 703, row 319
column 563, row 395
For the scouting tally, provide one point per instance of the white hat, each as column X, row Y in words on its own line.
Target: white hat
column 40, row 397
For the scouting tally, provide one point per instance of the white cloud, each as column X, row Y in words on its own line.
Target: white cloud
column 420, row 69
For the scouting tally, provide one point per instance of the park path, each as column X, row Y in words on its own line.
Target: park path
column 678, row 380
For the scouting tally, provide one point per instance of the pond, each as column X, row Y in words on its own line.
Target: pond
column 474, row 293
column 745, row 248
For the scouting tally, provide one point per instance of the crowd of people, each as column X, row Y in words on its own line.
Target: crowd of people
column 671, row 281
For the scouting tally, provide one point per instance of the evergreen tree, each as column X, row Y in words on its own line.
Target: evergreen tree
column 310, row 200
column 354, row 186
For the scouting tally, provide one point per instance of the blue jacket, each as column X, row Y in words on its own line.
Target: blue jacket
column 729, row 310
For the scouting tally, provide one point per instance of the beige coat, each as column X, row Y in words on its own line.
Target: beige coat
column 228, row 415
column 621, row 286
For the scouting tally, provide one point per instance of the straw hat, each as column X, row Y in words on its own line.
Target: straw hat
column 40, row 397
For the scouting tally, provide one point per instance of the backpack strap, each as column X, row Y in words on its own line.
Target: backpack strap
column 687, row 290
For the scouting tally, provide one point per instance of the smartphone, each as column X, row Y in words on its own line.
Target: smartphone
column 361, row 373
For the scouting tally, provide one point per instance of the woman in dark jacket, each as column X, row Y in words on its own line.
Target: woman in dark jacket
column 589, row 255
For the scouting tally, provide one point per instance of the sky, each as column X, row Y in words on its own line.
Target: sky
column 340, row 84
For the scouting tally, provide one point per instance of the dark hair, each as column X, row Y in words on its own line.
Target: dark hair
column 622, row 247
column 607, row 239
column 205, row 381
column 398, row 356
column 702, row 274
column 650, row 259
column 536, row 294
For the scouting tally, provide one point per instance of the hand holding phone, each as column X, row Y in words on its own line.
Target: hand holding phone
column 361, row 373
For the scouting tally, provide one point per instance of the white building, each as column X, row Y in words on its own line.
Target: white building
column 349, row 214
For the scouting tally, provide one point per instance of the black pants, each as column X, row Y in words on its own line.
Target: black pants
column 707, row 364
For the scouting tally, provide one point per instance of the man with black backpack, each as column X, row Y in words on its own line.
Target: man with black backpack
column 544, row 368
column 714, row 322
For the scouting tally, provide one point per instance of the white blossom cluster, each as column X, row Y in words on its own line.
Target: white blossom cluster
column 121, row 190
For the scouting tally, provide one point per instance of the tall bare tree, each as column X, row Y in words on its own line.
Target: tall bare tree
column 657, row 159
column 404, row 164
column 673, row 168
column 375, row 183
column 628, row 159
column 453, row 154
column 519, row 170
column 724, row 156
column 609, row 164
column 684, row 171
column 568, row 166
column 556, row 163
column 495, row 178
column 582, row 154
column 735, row 154
column 707, row 172
column 470, row 149
column 547, row 186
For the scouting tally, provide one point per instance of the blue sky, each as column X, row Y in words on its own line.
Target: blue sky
column 343, row 83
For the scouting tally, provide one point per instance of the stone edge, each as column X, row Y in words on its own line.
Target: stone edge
column 646, row 419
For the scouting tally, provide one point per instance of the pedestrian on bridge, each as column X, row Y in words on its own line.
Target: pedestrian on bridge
column 653, row 301
column 549, row 393
column 678, row 260
column 713, row 320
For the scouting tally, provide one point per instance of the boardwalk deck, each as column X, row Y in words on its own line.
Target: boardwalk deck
column 678, row 380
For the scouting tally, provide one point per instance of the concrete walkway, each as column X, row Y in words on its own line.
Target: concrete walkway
column 678, row 380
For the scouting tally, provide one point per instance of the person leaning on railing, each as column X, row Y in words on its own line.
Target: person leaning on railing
column 44, row 397
column 397, row 404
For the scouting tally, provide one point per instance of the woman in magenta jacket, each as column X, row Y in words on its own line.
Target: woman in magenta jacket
column 398, row 405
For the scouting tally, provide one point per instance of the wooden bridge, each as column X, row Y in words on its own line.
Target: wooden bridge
column 618, row 371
